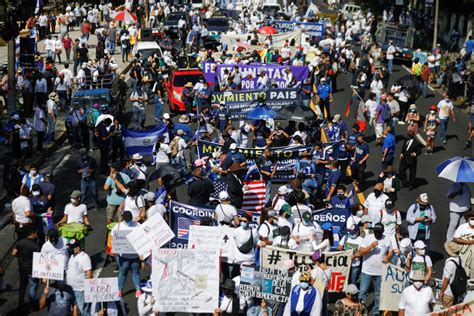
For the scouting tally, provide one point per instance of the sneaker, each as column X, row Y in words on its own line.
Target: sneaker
column 138, row 293
column 445, row 142
column 116, row 269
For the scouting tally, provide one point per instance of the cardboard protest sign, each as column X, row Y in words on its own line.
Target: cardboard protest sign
column 339, row 261
column 154, row 232
column 185, row 280
column 120, row 243
column 467, row 258
column 48, row 266
column 213, row 237
column 101, row 290
column 266, row 283
column 394, row 281
column 463, row 309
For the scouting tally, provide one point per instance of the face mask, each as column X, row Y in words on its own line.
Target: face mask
column 413, row 111
column 389, row 175
column 74, row 201
column 307, row 223
column 360, row 213
column 36, row 193
column 33, row 173
column 471, row 222
column 304, row 285
column 389, row 210
column 84, row 157
column 421, row 252
column 377, row 192
column 244, row 225
column 233, row 151
column 129, row 222
column 340, row 196
column 432, row 112
column 378, row 235
column 418, row 284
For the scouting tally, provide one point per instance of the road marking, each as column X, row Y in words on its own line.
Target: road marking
column 61, row 163
column 429, row 86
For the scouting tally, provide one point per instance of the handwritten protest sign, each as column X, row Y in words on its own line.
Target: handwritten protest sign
column 154, row 232
column 212, row 237
column 266, row 283
column 48, row 266
column 101, row 290
column 394, row 281
column 463, row 309
column 467, row 258
column 120, row 243
column 185, row 280
column 339, row 261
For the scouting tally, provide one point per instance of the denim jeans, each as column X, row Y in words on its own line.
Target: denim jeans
column 443, row 127
column 82, row 306
column 455, row 219
column 355, row 273
column 89, row 186
column 26, row 281
column 365, row 280
column 125, row 265
column 111, row 46
column 390, row 65
column 158, row 108
column 139, row 117
column 51, row 128
column 424, row 88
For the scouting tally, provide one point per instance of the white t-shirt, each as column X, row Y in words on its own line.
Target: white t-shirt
column 464, row 231
column 352, row 221
column 374, row 205
column 225, row 212
column 376, row 86
column 241, row 236
column 444, row 108
column 353, row 244
column 371, row 107
column 134, row 204
column 319, row 274
column 462, row 201
column 266, row 230
column 20, row 206
column 157, row 208
column 418, row 263
column 298, row 211
column 288, row 222
column 372, row 263
column 76, row 272
column 305, row 234
column 390, row 52
column 75, row 214
column 416, row 303
column 449, row 271
column 162, row 154
column 389, row 221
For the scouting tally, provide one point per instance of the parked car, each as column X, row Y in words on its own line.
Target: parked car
column 175, row 86
column 218, row 22
column 146, row 49
column 403, row 38
column 171, row 23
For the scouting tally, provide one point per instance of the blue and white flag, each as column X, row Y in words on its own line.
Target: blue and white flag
column 351, row 199
column 39, row 6
column 142, row 142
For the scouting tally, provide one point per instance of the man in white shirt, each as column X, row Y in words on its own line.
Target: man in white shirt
column 417, row 299
column 79, row 269
column 75, row 212
column 449, row 271
column 375, row 249
column 152, row 207
column 375, row 202
column 459, row 196
column 464, row 234
column 22, row 211
column 390, row 217
column 446, row 108
column 390, row 56
column 307, row 233
column 246, row 239
column 226, row 212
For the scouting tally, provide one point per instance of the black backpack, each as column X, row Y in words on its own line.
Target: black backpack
column 459, row 284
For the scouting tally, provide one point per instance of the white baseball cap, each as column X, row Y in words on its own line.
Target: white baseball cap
column 419, row 245
column 233, row 146
column 223, row 196
column 283, row 190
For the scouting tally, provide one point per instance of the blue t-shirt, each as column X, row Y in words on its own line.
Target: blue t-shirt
column 320, row 155
column 361, row 151
column 236, row 157
column 389, row 142
column 324, row 90
column 305, row 166
column 469, row 46
column 352, row 140
column 336, row 202
column 114, row 195
column 333, row 179
column 341, row 150
column 188, row 133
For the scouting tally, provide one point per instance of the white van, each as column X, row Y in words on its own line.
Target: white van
column 146, row 49
column 351, row 9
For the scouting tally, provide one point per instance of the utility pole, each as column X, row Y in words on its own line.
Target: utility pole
column 436, row 18
column 11, row 77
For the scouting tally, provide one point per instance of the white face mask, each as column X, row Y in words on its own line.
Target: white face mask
column 360, row 213
column 418, row 284
column 471, row 222
column 36, row 193
column 421, row 252
column 432, row 112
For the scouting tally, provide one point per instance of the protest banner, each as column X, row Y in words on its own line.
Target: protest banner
column 394, row 281
column 101, row 290
column 120, row 243
column 213, row 237
column 278, row 40
column 185, row 280
column 48, row 266
column 337, row 217
column 154, row 232
column 340, row 262
column 239, row 103
column 310, row 28
column 285, row 157
column 266, row 283
column 463, row 309
column 277, row 74
column 467, row 258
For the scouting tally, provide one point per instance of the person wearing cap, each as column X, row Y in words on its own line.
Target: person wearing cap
column 86, row 167
column 152, row 207
column 375, row 201
column 306, row 233
column 200, row 189
column 286, row 217
column 375, row 249
column 115, row 188
column 126, row 261
column 464, row 232
column 230, row 303
column 51, row 114
column 75, row 212
column 359, row 162
column 459, row 196
column 352, row 241
column 349, row 305
column 225, row 212
column 420, row 218
column 324, row 98
column 146, row 301
column 449, row 271
column 246, row 239
column 138, row 167
column 419, row 261
column 55, row 244
column 283, row 239
column 390, row 217
column 79, row 268
column 268, row 227
column 305, row 93
column 445, row 110
column 418, row 298
column 304, row 298
column 280, row 198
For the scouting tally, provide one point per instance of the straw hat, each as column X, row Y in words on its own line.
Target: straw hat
column 188, row 85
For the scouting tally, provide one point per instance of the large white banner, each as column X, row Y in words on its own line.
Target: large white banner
column 278, row 40
column 394, row 280
column 212, row 237
column 185, row 280
column 154, row 232
column 48, row 266
column 101, row 290
column 339, row 261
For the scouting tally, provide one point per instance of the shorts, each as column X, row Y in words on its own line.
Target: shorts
column 111, row 212
column 362, row 125
column 378, row 130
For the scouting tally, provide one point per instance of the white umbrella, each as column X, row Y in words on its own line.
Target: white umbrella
column 103, row 117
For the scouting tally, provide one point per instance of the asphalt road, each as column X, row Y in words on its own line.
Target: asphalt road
column 67, row 180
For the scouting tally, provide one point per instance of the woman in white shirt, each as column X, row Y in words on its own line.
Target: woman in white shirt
column 135, row 203
column 328, row 239
column 321, row 275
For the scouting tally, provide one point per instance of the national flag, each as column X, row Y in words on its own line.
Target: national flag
column 142, row 142
column 183, row 226
column 350, row 199
column 219, row 186
column 254, row 197
column 252, row 169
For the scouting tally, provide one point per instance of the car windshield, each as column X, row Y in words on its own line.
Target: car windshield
column 397, row 36
column 87, row 101
column 181, row 80
column 271, row 11
column 217, row 22
column 148, row 52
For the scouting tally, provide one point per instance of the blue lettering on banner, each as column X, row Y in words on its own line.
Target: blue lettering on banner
column 335, row 216
column 310, row 28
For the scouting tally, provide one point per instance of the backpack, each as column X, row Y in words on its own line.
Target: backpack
column 174, row 146
column 386, row 113
column 459, row 284
column 90, row 119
